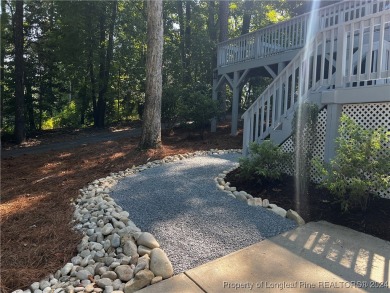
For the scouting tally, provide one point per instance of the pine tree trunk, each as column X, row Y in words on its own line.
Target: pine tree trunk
column 19, row 132
column 213, row 38
column 246, row 21
column 4, row 19
column 223, row 36
column 151, row 124
column 106, row 54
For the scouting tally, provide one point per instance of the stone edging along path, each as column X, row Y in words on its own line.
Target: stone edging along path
column 114, row 254
column 250, row 200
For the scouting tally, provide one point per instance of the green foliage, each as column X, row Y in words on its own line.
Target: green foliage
column 63, row 56
column 198, row 110
column 266, row 162
column 66, row 118
column 361, row 166
column 171, row 108
column 191, row 107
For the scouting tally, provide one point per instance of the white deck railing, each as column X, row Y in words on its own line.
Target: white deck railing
column 352, row 54
column 292, row 34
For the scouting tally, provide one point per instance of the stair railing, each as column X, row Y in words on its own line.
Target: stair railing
column 291, row 34
column 358, row 49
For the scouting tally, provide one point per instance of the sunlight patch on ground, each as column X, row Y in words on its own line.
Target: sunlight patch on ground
column 18, row 205
column 361, row 262
column 346, row 260
column 117, row 155
column 378, row 268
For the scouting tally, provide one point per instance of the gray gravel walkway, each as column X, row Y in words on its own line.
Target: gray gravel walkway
column 192, row 219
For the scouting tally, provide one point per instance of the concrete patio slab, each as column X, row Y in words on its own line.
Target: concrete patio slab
column 316, row 257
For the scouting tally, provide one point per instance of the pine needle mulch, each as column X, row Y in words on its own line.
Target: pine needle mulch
column 36, row 191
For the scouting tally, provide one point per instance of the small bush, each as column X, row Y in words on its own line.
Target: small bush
column 198, row 110
column 361, row 165
column 172, row 107
column 266, row 162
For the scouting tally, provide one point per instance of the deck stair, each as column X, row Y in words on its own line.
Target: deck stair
column 346, row 61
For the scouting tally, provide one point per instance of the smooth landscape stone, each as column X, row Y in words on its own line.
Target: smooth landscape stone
column 44, row 284
column 251, row 202
column 115, row 240
column 83, row 275
column 142, row 263
column 86, row 260
column 96, row 246
column 124, row 273
column 85, row 253
column 89, row 288
column 142, row 250
column 134, row 258
column 117, row 284
column 279, row 211
column 148, row 240
column 109, row 289
column 141, row 280
column 108, row 260
column 110, row 274
column 293, row 215
column 265, row 203
column 34, row 286
column 104, row 282
column 241, row 197
column 125, row 260
column 160, row 265
column 76, row 260
column 66, row 269
column 156, row 280
column 107, row 229
column 258, row 201
column 114, row 265
column 130, row 248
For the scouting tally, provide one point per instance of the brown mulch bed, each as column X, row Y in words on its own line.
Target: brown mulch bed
column 36, row 231
column 319, row 204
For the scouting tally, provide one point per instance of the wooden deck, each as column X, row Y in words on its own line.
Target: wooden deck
column 330, row 57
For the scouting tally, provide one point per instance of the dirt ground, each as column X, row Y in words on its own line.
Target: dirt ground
column 37, row 189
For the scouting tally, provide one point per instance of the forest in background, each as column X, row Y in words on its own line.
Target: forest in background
column 83, row 62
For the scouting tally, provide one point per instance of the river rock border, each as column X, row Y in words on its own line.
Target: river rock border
column 114, row 255
column 253, row 201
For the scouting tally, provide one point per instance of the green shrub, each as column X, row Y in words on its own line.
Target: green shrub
column 361, row 165
column 265, row 162
column 191, row 106
column 172, row 107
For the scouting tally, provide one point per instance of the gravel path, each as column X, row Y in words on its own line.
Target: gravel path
column 191, row 218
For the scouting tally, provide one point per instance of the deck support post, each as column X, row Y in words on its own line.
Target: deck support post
column 334, row 110
column 281, row 66
column 238, row 79
column 333, row 115
column 214, row 97
column 236, row 101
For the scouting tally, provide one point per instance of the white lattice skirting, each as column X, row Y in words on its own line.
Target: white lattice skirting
column 368, row 115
